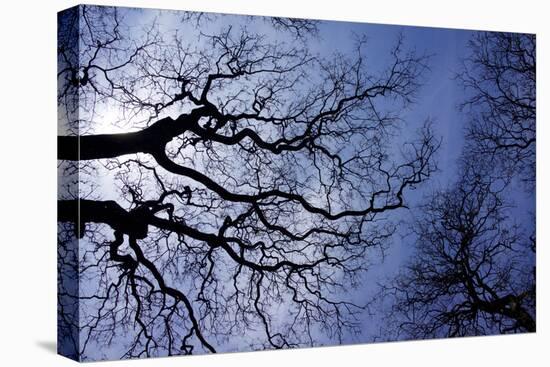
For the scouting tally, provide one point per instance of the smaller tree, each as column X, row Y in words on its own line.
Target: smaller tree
column 500, row 75
column 470, row 275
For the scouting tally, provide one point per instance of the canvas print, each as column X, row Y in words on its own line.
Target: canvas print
column 232, row 183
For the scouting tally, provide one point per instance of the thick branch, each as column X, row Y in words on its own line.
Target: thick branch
column 89, row 147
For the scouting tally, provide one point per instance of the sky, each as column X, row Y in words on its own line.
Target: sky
column 437, row 100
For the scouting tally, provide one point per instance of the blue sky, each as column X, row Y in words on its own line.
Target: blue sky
column 436, row 100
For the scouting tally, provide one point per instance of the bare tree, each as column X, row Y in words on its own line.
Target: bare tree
column 250, row 187
column 299, row 29
column 473, row 271
column 500, row 75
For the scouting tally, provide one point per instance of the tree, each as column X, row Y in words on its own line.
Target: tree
column 500, row 75
column 472, row 272
column 252, row 181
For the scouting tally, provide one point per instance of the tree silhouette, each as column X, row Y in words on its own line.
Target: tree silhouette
column 471, row 273
column 500, row 75
column 249, row 182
